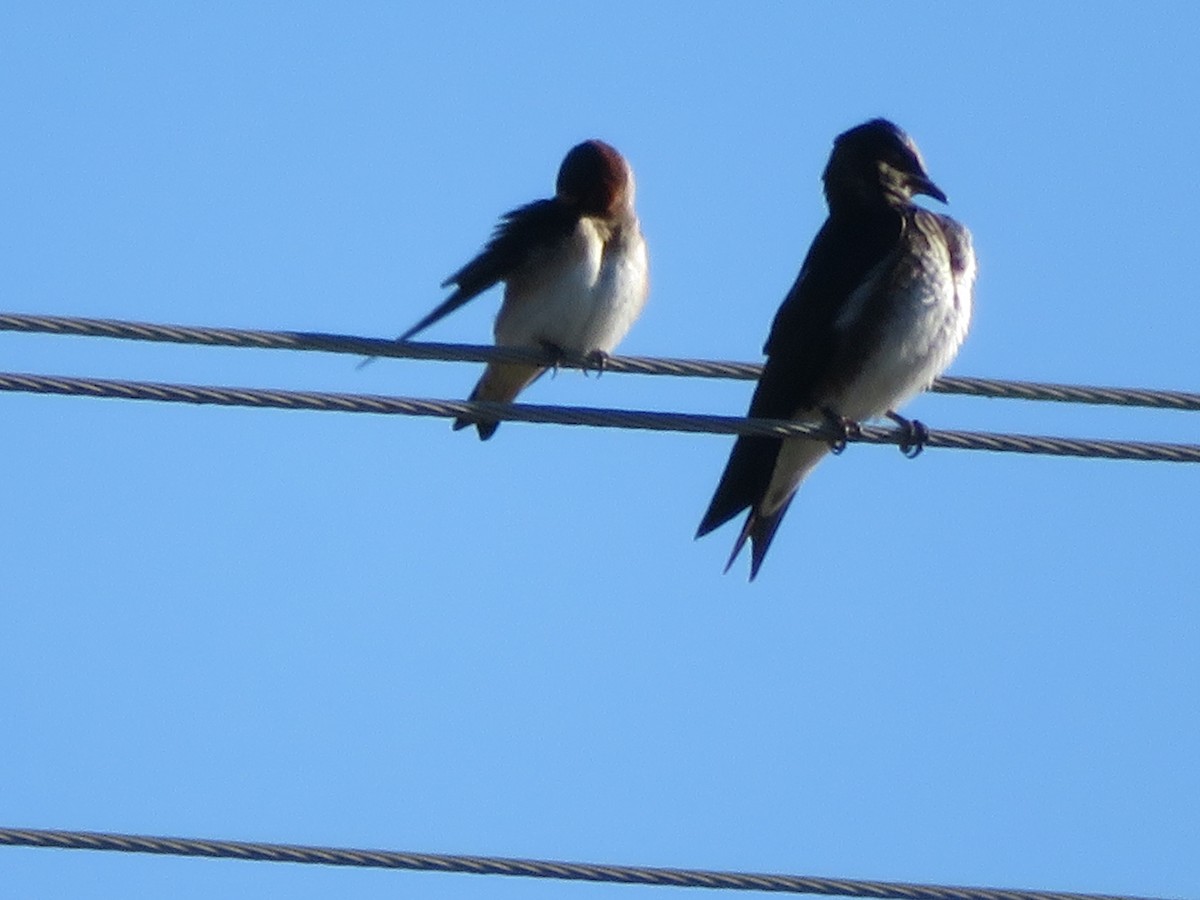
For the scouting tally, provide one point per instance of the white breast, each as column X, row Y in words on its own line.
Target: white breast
column 930, row 313
column 583, row 296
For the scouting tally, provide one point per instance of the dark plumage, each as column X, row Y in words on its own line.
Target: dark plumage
column 879, row 309
column 519, row 232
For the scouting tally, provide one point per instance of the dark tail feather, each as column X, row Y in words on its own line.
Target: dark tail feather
column 760, row 531
column 486, row 429
column 501, row 382
column 451, row 303
column 741, row 542
column 743, row 482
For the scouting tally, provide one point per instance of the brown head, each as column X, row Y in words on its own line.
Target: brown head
column 595, row 178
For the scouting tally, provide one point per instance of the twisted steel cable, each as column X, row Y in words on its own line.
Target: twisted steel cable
column 643, row 420
column 529, row 868
column 362, row 346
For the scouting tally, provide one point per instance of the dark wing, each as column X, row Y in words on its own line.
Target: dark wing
column 520, row 232
column 802, row 350
column 805, row 351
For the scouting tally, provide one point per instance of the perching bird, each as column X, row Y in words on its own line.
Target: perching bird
column 879, row 310
column 574, row 268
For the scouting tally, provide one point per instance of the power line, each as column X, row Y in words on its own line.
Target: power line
column 363, row 346
column 613, row 418
column 642, row 420
column 529, row 868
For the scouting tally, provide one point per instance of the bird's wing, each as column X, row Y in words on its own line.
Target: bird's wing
column 823, row 314
column 520, row 233
column 806, row 348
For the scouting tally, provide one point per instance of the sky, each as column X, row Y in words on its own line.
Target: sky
column 372, row 631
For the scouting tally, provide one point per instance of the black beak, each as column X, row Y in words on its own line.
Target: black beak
column 921, row 184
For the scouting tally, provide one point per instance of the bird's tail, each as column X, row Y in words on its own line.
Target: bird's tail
column 767, row 488
column 760, row 530
column 501, row 382
column 743, row 482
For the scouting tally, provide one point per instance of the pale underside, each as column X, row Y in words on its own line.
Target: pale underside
column 930, row 279
column 582, row 296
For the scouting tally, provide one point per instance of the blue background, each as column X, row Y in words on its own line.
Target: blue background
column 364, row 631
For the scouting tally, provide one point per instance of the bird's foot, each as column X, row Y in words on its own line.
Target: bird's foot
column 556, row 354
column 914, row 434
column 843, row 429
column 597, row 360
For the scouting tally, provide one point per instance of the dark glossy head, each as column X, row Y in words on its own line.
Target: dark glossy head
column 596, row 178
column 876, row 162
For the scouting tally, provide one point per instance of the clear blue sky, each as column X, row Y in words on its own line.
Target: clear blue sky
column 367, row 631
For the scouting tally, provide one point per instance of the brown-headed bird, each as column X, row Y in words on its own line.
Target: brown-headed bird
column 574, row 267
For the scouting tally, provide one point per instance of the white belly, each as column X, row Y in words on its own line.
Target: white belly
column 582, row 300
column 927, row 326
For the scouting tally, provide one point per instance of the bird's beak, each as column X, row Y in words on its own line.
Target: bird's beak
column 922, row 185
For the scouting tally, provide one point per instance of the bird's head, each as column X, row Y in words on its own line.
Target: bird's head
column 876, row 162
column 596, row 179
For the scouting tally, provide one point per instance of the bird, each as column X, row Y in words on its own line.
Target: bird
column 880, row 308
column 575, row 272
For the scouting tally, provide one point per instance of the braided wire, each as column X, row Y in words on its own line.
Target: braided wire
column 362, row 346
column 529, row 868
column 643, row 420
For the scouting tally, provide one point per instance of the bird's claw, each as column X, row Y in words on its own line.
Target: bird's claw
column 597, row 360
column 914, row 435
column 556, row 354
column 842, row 428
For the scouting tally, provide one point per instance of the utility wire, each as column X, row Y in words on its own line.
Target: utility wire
column 530, row 868
column 476, row 410
column 362, row 346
